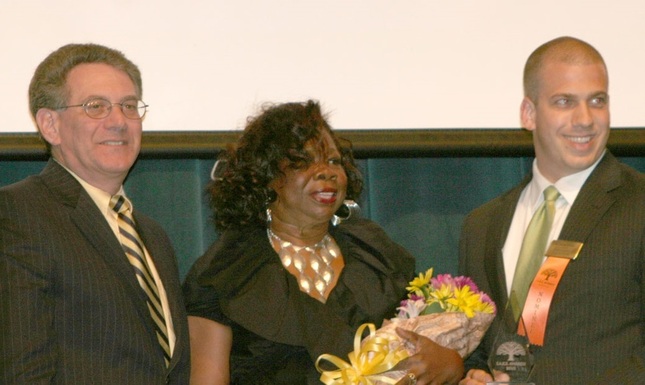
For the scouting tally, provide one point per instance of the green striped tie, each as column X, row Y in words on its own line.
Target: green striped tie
column 133, row 247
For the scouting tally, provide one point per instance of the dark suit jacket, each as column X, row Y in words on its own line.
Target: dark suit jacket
column 71, row 310
column 596, row 326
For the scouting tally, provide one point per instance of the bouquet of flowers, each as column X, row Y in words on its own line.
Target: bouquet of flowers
column 451, row 311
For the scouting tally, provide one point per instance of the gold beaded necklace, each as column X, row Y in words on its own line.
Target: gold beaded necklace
column 311, row 265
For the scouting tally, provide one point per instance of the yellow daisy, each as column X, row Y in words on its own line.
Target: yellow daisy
column 466, row 301
column 420, row 282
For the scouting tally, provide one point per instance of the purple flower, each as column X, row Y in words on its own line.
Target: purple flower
column 416, row 297
column 463, row 281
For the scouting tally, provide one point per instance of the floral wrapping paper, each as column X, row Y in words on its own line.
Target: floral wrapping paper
column 450, row 311
column 453, row 330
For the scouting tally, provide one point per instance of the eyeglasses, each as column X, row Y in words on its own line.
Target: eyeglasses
column 100, row 108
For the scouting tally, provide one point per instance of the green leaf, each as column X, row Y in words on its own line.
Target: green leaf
column 432, row 308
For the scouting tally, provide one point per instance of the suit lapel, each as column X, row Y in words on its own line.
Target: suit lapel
column 496, row 237
column 92, row 225
column 592, row 201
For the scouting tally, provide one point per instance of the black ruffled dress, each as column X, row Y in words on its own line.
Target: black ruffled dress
column 279, row 331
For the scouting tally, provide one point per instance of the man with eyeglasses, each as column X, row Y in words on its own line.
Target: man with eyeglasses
column 89, row 289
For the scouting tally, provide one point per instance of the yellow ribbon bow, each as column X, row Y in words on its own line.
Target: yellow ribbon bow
column 368, row 362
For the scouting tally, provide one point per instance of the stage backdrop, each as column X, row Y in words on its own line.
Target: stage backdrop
column 208, row 64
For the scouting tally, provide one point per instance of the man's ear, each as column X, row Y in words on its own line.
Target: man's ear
column 527, row 114
column 48, row 125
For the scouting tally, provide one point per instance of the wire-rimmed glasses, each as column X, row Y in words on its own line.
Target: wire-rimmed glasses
column 99, row 108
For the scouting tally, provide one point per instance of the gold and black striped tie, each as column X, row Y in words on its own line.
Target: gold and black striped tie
column 133, row 247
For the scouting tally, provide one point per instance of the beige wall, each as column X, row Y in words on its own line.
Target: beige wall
column 374, row 64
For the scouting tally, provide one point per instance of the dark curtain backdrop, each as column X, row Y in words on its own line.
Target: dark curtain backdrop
column 420, row 202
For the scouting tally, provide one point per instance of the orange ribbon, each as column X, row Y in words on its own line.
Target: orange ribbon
column 538, row 301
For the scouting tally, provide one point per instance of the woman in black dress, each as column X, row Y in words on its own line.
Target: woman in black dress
column 288, row 279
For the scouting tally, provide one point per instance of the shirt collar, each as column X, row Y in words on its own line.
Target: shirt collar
column 101, row 198
column 568, row 186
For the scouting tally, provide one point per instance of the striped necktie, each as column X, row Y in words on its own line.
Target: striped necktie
column 133, row 247
column 534, row 246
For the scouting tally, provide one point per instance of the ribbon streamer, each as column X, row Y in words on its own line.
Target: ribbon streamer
column 366, row 364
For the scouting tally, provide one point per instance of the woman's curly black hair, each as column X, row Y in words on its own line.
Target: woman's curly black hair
column 240, row 193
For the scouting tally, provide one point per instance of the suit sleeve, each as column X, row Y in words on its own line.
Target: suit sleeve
column 26, row 311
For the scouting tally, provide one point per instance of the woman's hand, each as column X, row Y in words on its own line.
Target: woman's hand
column 432, row 364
